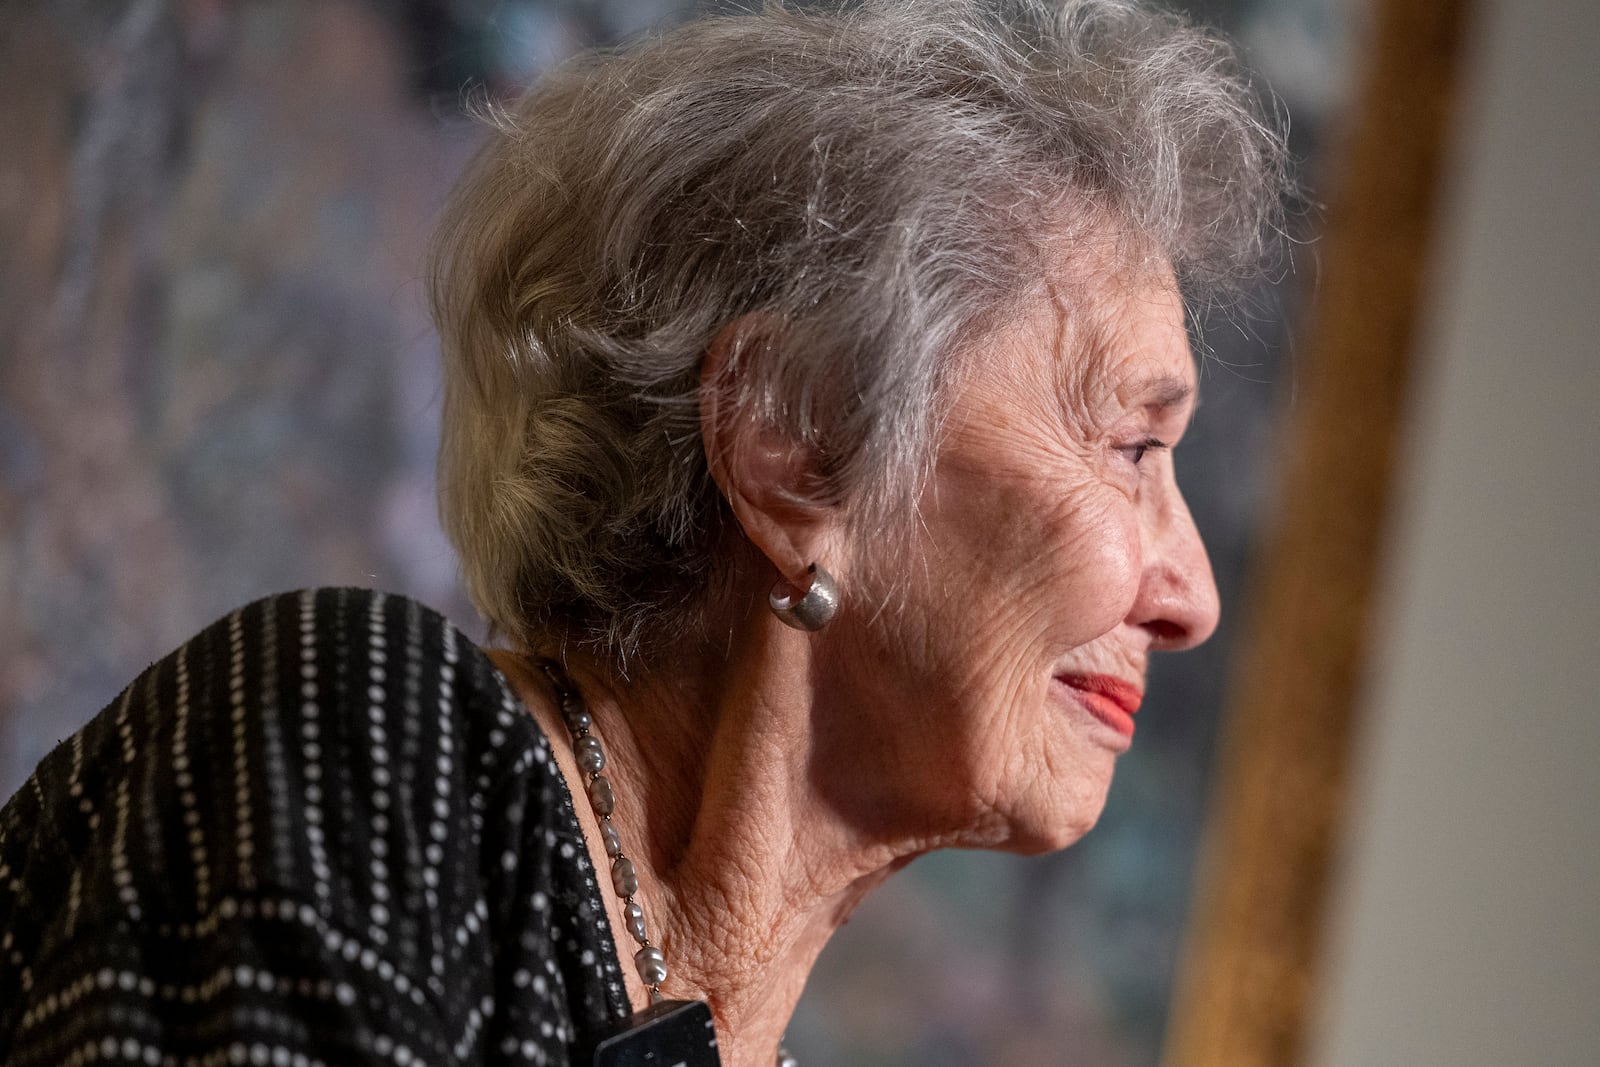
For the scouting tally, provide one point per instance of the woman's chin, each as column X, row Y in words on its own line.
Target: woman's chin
column 1047, row 825
column 1039, row 806
column 1039, row 840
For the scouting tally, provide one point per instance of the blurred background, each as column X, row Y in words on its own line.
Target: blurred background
column 217, row 381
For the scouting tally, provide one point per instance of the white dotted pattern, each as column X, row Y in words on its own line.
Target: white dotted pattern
column 384, row 870
column 183, row 775
column 377, row 730
column 244, row 810
column 121, row 872
column 311, row 749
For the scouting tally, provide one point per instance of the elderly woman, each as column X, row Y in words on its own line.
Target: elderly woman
column 811, row 385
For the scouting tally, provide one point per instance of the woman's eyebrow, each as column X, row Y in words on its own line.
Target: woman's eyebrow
column 1165, row 392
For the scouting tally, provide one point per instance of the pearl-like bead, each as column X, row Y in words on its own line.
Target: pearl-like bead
column 591, row 757
column 601, row 796
column 652, row 965
column 576, row 715
column 609, row 838
column 635, row 918
column 623, row 878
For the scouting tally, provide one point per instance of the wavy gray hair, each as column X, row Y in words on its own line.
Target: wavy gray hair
column 875, row 186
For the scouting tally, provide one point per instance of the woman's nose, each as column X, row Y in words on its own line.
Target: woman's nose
column 1177, row 602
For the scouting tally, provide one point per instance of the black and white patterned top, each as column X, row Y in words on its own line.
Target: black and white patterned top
column 322, row 832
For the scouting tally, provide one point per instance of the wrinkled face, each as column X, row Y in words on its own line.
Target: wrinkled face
column 1056, row 555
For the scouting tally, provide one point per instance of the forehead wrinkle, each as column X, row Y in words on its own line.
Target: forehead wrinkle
column 1105, row 323
column 1081, row 322
column 1149, row 379
column 1083, row 350
column 1112, row 364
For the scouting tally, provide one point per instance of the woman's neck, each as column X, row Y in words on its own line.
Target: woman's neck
column 744, row 871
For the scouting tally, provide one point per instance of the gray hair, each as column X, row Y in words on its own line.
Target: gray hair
column 872, row 187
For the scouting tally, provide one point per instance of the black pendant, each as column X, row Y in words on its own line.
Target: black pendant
column 673, row 1033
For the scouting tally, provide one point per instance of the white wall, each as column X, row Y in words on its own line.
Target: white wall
column 1467, row 930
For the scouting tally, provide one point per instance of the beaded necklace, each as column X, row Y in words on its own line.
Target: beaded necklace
column 674, row 1030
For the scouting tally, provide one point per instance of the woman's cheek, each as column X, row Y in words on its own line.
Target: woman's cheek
column 1103, row 556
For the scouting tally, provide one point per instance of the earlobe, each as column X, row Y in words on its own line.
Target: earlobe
column 768, row 478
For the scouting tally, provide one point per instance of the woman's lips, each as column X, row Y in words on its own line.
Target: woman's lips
column 1109, row 699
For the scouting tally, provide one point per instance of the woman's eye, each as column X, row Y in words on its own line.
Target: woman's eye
column 1139, row 449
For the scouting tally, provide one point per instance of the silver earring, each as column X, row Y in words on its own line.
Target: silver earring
column 812, row 611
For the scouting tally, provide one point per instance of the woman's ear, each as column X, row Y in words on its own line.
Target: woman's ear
column 769, row 478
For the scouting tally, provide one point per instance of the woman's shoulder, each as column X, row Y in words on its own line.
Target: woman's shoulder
column 345, row 759
column 318, row 678
column 282, row 717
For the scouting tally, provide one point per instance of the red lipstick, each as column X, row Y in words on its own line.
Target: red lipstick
column 1109, row 699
